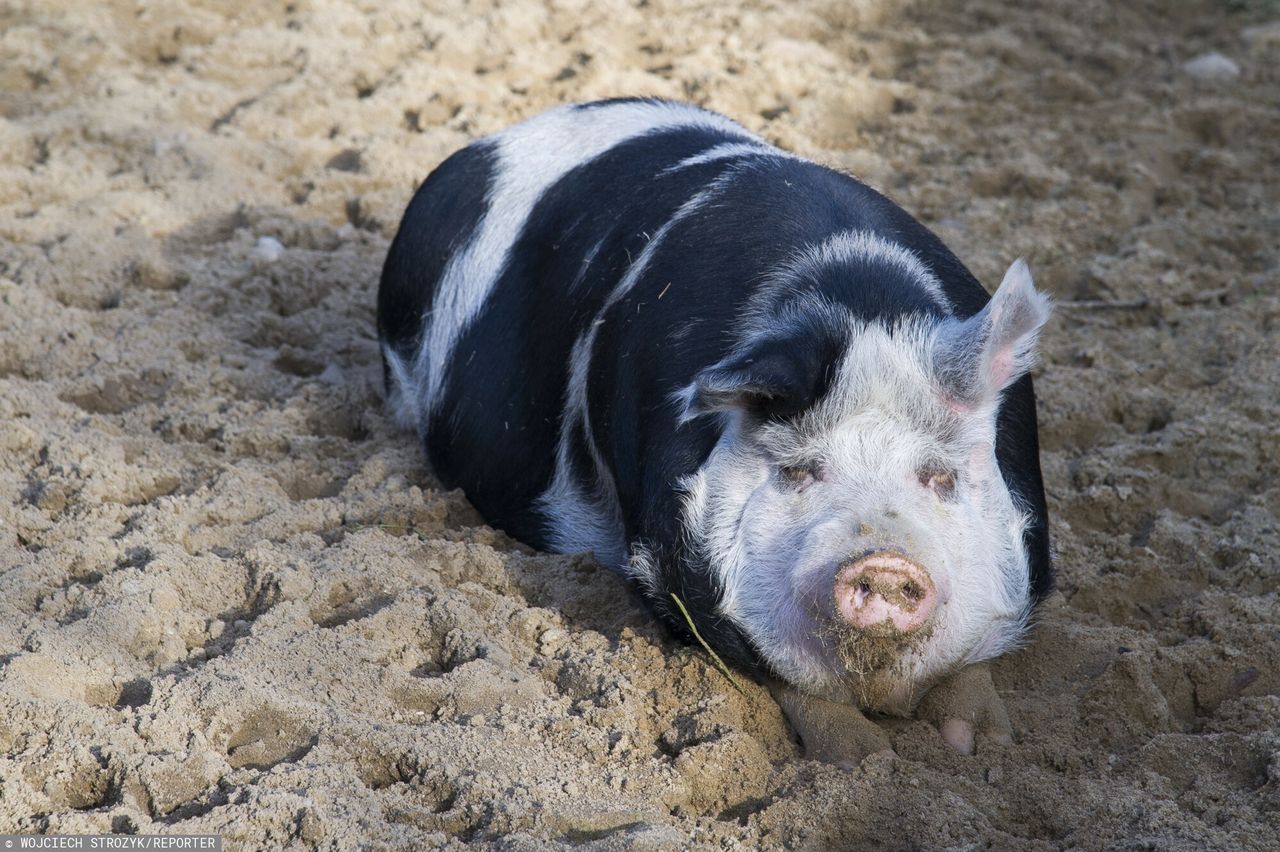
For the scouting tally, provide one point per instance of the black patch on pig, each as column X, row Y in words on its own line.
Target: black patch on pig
column 777, row 377
column 440, row 219
column 1018, row 455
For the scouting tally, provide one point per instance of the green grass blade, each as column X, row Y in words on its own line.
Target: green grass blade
column 703, row 642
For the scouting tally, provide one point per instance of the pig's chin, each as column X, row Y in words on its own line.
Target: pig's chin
column 879, row 668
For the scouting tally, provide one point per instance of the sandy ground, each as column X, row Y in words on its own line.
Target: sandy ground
column 235, row 600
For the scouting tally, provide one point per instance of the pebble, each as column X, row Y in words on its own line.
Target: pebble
column 268, row 249
column 552, row 640
column 332, row 375
column 1211, row 67
column 1262, row 36
column 155, row 273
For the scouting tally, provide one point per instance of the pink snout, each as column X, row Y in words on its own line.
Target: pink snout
column 885, row 590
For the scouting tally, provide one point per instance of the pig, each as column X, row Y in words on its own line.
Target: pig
column 741, row 379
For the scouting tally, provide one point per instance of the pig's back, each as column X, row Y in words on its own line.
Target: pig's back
column 506, row 254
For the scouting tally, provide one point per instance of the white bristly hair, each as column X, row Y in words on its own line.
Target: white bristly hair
column 729, row 150
column 861, row 246
column 401, row 397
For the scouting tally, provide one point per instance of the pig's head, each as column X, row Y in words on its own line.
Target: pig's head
column 853, row 513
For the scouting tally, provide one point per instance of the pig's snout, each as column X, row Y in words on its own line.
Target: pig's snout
column 885, row 590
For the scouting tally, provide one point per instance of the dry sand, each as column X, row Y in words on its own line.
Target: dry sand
column 235, row 600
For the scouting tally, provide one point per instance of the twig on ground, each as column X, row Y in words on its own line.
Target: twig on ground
column 1138, row 304
column 1103, row 305
column 703, row 642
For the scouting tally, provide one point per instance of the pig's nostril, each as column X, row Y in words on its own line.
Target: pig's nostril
column 912, row 591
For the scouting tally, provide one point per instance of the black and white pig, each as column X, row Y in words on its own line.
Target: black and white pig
column 635, row 328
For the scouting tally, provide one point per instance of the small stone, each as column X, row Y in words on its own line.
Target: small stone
column 332, row 375
column 1211, row 67
column 552, row 640
column 311, row 827
column 51, row 497
column 1262, row 36
column 268, row 249
column 346, row 160
column 994, row 775
column 155, row 273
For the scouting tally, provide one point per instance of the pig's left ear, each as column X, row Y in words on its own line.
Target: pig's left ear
column 772, row 377
column 975, row 359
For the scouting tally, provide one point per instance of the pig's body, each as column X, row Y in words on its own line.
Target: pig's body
column 620, row 327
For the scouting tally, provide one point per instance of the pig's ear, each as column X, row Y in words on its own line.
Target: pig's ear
column 975, row 359
column 772, row 378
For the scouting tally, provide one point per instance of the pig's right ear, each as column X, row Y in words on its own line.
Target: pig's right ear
column 975, row 359
column 772, row 378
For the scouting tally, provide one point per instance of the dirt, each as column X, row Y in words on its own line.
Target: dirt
column 235, row 600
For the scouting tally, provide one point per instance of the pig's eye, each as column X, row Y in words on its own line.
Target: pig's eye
column 800, row 476
column 940, row 481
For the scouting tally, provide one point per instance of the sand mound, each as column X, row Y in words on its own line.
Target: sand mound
column 236, row 601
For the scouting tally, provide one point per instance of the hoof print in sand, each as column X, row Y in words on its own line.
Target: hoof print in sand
column 266, row 738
